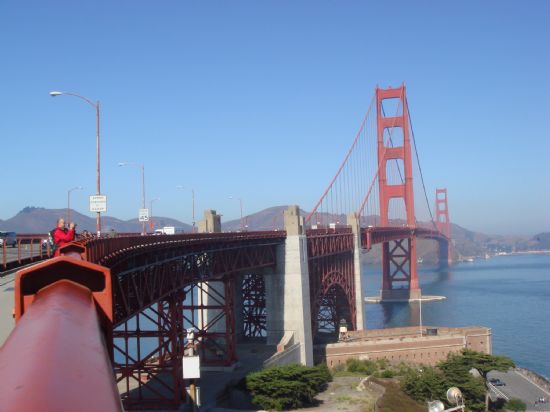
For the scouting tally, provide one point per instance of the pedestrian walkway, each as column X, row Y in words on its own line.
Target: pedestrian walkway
column 6, row 306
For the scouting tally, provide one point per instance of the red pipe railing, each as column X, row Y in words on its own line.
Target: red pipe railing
column 55, row 358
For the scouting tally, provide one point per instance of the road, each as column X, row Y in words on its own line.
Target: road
column 520, row 387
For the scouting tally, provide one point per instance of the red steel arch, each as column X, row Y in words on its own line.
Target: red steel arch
column 331, row 278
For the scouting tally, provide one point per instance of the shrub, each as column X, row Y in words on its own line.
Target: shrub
column 285, row 387
column 366, row 367
column 382, row 363
column 516, row 405
column 387, row 374
column 432, row 383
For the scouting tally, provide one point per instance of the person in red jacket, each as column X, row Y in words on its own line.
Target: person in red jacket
column 62, row 236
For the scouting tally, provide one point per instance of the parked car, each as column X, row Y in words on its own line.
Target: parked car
column 497, row 382
column 9, row 238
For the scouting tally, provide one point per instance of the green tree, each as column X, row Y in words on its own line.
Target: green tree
column 456, row 366
column 425, row 384
column 285, row 387
column 516, row 405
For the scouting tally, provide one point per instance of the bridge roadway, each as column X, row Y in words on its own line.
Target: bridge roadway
column 6, row 306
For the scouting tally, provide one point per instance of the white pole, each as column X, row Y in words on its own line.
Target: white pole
column 420, row 305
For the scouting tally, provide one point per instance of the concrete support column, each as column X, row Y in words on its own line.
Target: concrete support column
column 355, row 224
column 274, row 299
column 296, row 305
column 210, row 224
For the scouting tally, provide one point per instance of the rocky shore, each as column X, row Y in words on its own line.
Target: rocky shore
column 535, row 377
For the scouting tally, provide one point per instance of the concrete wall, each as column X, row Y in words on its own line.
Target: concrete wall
column 289, row 355
column 406, row 345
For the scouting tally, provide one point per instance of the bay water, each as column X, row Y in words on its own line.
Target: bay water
column 509, row 294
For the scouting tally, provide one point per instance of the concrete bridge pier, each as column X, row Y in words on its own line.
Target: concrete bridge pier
column 215, row 294
column 287, row 292
column 355, row 224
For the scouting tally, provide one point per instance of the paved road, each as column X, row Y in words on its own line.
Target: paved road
column 6, row 307
column 518, row 386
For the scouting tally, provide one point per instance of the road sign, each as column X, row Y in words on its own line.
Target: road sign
column 191, row 367
column 98, row 203
column 143, row 215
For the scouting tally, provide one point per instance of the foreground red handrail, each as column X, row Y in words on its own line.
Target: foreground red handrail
column 55, row 358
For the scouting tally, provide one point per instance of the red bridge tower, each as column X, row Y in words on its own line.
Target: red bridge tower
column 398, row 256
column 443, row 225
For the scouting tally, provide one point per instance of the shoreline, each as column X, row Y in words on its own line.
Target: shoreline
column 537, row 378
column 524, row 252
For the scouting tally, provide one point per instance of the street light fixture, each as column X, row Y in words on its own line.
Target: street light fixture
column 454, row 397
column 192, row 204
column 142, row 167
column 241, row 204
column 95, row 105
column 69, row 201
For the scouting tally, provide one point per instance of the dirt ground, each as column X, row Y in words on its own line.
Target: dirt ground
column 347, row 394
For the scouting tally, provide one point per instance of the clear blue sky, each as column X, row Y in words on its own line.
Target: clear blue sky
column 260, row 99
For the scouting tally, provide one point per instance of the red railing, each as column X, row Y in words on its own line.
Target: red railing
column 55, row 359
column 97, row 250
column 28, row 248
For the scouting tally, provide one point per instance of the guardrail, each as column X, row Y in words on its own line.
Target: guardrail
column 55, row 358
column 29, row 249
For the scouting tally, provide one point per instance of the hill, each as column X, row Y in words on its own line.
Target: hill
column 540, row 241
column 466, row 243
column 41, row 220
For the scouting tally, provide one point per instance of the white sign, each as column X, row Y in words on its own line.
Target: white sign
column 143, row 215
column 191, row 367
column 98, row 203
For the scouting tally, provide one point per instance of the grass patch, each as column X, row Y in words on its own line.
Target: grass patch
column 395, row 400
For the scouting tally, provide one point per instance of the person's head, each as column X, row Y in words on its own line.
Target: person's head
column 61, row 223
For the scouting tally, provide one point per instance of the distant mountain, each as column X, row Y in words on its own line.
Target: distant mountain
column 466, row 243
column 41, row 220
column 267, row 219
column 540, row 241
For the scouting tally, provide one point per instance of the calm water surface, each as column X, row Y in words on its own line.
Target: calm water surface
column 509, row 294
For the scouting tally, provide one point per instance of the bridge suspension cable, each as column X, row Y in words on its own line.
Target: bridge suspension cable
column 355, row 187
column 421, row 174
column 346, row 183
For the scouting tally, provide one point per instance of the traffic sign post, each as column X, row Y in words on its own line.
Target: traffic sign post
column 98, row 203
column 143, row 215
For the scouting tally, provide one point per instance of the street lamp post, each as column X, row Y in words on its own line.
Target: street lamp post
column 69, row 201
column 152, row 225
column 98, row 174
column 192, row 204
column 241, row 205
column 142, row 167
